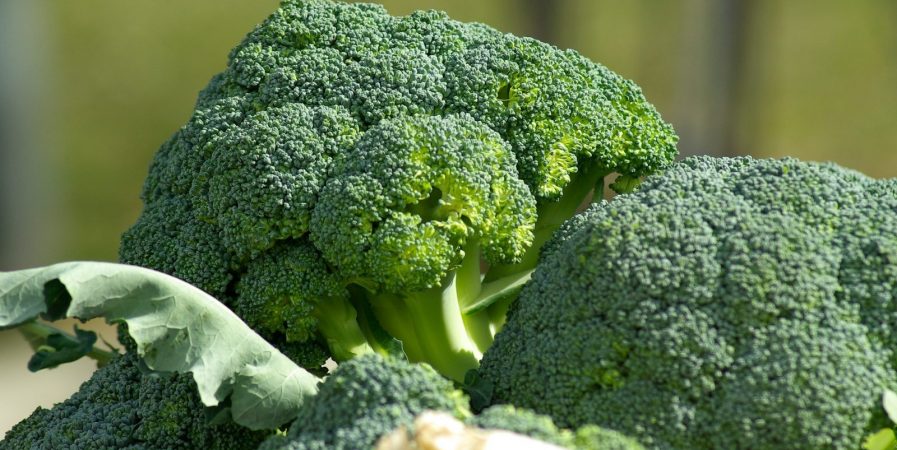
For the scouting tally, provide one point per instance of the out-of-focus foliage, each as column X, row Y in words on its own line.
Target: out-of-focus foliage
column 815, row 82
column 813, row 79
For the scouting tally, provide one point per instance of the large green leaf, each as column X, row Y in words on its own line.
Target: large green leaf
column 177, row 327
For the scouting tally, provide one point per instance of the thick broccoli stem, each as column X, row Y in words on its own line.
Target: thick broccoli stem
column 337, row 322
column 437, row 320
column 468, row 284
column 468, row 277
column 552, row 214
column 431, row 327
column 493, row 302
column 394, row 317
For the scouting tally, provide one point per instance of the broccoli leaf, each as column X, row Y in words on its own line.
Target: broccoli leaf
column 59, row 348
column 177, row 328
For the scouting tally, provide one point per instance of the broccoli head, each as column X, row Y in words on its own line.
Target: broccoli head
column 728, row 303
column 351, row 174
column 366, row 398
column 119, row 407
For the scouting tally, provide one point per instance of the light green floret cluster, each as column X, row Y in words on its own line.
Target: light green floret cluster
column 357, row 182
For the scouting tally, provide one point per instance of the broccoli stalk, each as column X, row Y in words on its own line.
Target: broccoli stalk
column 435, row 315
column 432, row 322
column 338, row 323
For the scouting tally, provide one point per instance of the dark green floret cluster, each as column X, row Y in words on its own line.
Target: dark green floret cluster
column 728, row 303
column 121, row 408
column 370, row 396
column 366, row 398
column 342, row 182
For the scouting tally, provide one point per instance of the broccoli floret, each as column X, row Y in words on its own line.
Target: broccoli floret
column 537, row 426
column 283, row 288
column 593, row 437
column 728, row 303
column 522, row 421
column 170, row 238
column 351, row 172
column 417, row 197
column 120, row 408
column 366, row 398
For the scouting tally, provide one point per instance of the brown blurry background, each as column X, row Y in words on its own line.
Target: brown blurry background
column 89, row 90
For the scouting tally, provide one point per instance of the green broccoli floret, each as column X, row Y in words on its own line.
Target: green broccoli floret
column 351, row 172
column 371, row 224
column 537, row 426
column 593, row 437
column 366, row 398
column 120, row 408
column 522, row 421
column 286, row 289
column 728, row 303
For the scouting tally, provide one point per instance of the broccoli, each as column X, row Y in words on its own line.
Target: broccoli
column 371, row 395
column 522, row 421
column 593, row 437
column 352, row 180
column 119, row 407
column 728, row 303
column 366, row 398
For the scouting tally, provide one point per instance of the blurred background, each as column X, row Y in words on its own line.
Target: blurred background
column 89, row 92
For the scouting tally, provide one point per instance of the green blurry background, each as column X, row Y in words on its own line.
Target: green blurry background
column 89, row 90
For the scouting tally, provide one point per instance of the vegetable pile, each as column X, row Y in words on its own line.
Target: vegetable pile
column 398, row 196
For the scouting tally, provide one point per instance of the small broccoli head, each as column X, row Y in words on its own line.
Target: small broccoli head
column 279, row 296
column 281, row 289
column 413, row 193
column 118, row 407
column 366, row 398
column 726, row 300
column 171, row 239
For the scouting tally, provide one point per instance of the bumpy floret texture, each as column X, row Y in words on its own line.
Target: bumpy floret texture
column 382, row 144
column 729, row 303
column 593, row 437
column 120, row 408
column 364, row 399
column 281, row 288
column 541, row 427
column 522, row 421
column 418, row 189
